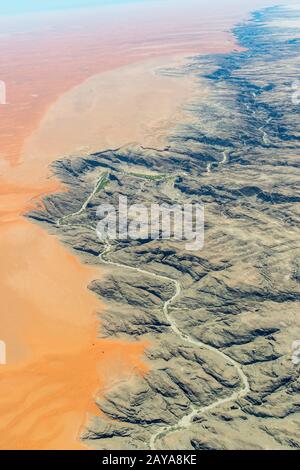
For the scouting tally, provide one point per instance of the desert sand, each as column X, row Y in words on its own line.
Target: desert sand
column 111, row 110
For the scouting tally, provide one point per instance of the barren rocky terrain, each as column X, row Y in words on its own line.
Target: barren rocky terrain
column 220, row 322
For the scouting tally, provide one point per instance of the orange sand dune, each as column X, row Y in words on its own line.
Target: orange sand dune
column 48, row 317
column 55, row 363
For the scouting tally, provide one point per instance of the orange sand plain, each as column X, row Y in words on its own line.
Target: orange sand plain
column 110, row 110
column 48, row 317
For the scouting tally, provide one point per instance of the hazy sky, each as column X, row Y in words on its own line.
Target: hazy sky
column 22, row 6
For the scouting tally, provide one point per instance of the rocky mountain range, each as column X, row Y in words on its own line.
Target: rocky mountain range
column 221, row 322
